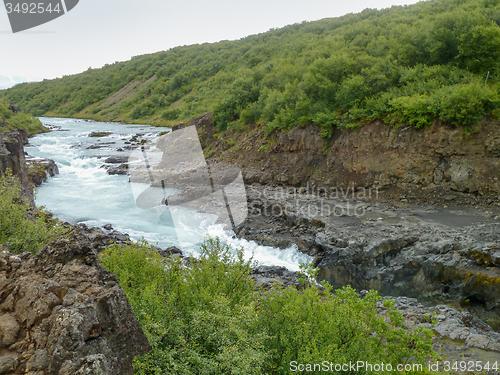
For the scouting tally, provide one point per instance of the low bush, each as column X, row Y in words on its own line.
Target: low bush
column 208, row 318
column 22, row 227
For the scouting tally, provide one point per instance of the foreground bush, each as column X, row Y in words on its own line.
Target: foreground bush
column 22, row 228
column 209, row 319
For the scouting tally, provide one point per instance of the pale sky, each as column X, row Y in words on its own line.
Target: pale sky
column 100, row 32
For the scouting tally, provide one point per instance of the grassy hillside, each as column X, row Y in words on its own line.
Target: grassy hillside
column 10, row 120
column 407, row 65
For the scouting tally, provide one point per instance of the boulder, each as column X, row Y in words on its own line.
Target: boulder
column 61, row 312
column 39, row 169
column 116, row 159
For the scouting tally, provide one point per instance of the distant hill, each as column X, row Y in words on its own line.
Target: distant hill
column 407, row 65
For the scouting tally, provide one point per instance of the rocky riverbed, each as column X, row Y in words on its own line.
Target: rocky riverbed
column 434, row 254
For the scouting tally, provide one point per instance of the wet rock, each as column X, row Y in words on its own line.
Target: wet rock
column 96, row 147
column 116, row 159
column 39, row 169
column 122, row 169
column 99, row 134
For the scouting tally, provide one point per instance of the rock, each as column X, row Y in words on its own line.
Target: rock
column 169, row 251
column 75, row 315
column 96, row 147
column 8, row 363
column 100, row 239
column 14, row 108
column 40, row 168
column 99, row 134
column 435, row 255
column 120, row 170
column 450, row 197
column 116, row 159
column 108, row 227
column 448, row 323
column 12, row 157
column 267, row 276
column 9, row 329
column 38, row 361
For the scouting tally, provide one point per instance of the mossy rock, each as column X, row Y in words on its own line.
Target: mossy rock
column 99, row 134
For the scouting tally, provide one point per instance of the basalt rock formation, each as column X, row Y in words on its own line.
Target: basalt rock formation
column 417, row 163
column 61, row 312
column 39, row 169
column 12, row 158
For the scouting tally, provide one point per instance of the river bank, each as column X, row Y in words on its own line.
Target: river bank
column 436, row 254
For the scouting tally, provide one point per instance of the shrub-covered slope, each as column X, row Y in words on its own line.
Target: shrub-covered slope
column 11, row 118
column 404, row 65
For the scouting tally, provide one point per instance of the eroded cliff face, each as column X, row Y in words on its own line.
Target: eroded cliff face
column 439, row 158
column 61, row 312
column 12, row 158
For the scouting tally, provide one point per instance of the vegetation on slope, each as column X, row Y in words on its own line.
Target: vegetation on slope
column 22, row 228
column 208, row 318
column 435, row 60
column 10, row 120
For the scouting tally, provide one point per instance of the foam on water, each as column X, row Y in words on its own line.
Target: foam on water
column 84, row 192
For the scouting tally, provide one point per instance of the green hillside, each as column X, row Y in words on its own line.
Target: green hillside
column 407, row 65
column 10, row 120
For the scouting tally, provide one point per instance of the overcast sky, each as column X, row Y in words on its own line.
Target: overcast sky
column 98, row 32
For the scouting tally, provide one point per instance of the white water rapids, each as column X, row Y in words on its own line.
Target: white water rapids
column 84, row 193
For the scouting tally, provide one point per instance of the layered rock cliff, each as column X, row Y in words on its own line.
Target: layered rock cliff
column 405, row 163
column 12, row 158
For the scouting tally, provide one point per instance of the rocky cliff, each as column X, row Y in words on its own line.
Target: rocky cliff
column 12, row 158
column 61, row 312
column 408, row 164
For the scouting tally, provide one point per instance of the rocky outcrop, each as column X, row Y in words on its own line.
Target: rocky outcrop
column 435, row 255
column 61, row 312
column 459, row 334
column 12, row 158
column 415, row 161
column 433, row 264
column 39, row 169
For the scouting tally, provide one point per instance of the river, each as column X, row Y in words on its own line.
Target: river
column 84, row 193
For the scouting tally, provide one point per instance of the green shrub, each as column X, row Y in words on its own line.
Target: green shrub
column 416, row 110
column 199, row 320
column 20, row 227
column 466, row 104
column 172, row 114
column 10, row 121
column 208, row 318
